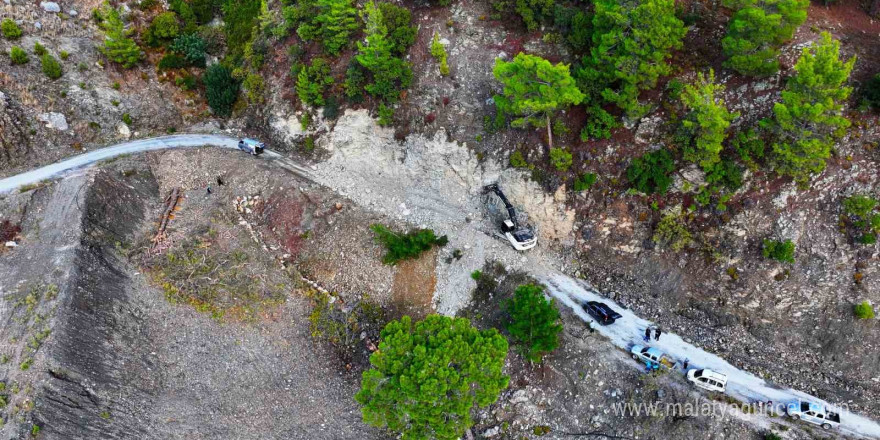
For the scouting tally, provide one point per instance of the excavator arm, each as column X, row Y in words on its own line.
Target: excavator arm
column 511, row 211
column 520, row 237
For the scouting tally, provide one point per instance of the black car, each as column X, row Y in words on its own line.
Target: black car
column 603, row 314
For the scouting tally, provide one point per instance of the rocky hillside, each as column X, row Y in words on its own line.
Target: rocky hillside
column 142, row 299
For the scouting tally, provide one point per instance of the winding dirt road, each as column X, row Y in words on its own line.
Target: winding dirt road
column 139, row 146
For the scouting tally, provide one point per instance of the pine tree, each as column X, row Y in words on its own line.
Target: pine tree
column 808, row 120
column 427, row 377
column 534, row 89
column 534, row 322
column 117, row 46
column 312, row 81
column 757, row 30
column 631, row 43
column 390, row 74
column 707, row 120
column 533, row 11
column 221, row 89
column 239, row 21
column 398, row 25
column 332, row 24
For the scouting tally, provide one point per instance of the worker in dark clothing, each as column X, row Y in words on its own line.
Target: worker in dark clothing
column 209, row 190
column 657, row 332
column 686, row 363
column 647, row 334
column 220, row 181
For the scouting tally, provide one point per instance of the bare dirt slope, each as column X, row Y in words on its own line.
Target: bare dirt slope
column 119, row 361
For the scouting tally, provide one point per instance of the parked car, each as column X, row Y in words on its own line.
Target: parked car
column 651, row 356
column 708, row 379
column 251, row 146
column 601, row 312
column 813, row 413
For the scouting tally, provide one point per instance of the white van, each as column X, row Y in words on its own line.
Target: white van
column 708, row 379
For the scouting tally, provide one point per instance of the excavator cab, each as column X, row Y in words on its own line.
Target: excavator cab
column 521, row 237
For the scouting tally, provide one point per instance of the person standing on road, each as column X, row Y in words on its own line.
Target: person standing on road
column 657, row 332
column 209, row 190
column 686, row 363
column 647, row 334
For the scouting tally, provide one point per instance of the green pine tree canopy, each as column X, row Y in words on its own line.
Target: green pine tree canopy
column 632, row 41
column 117, row 46
column 534, row 89
column 809, row 119
column 756, row 32
column 706, row 121
column 428, row 376
column 534, row 322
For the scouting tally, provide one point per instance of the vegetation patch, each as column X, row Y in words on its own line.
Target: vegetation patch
column 756, row 32
column 534, row 90
column 861, row 219
column 312, row 81
column 221, row 89
column 584, row 182
column 561, row 159
column 216, row 282
column 342, row 326
column 10, row 29
column 118, row 46
column 632, row 42
column 17, row 55
column 381, row 56
column 809, row 119
column 673, row 233
column 650, row 173
column 51, row 67
column 864, row 310
column 438, row 51
column 782, row 251
column 407, row 246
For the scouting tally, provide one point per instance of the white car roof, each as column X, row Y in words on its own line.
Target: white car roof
column 714, row 375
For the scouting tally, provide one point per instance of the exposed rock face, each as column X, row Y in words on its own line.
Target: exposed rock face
column 548, row 212
column 55, row 121
column 50, row 6
column 119, row 361
column 14, row 139
column 287, row 128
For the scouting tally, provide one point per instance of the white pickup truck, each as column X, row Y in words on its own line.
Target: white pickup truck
column 651, row 357
column 813, row 413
